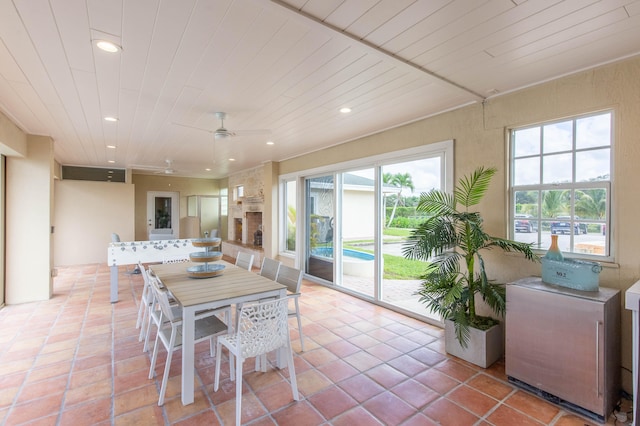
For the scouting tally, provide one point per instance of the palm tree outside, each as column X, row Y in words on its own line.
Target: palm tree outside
column 400, row 180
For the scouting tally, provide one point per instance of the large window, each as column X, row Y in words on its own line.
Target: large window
column 288, row 215
column 561, row 184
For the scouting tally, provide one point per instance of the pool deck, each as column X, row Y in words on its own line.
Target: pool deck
column 400, row 293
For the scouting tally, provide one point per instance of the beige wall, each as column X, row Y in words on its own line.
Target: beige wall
column 86, row 213
column 13, row 141
column 479, row 132
column 185, row 186
column 29, row 201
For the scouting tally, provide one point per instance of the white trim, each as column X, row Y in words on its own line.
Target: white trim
column 445, row 149
column 175, row 211
column 391, row 157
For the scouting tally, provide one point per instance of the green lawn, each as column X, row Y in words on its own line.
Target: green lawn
column 395, row 267
column 397, row 232
column 399, row 268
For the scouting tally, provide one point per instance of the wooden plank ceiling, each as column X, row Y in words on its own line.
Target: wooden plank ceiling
column 280, row 69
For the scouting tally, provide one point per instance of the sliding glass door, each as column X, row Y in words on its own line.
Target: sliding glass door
column 358, row 231
column 357, row 221
column 402, row 184
column 319, row 227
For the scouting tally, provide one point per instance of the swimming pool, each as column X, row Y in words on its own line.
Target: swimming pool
column 354, row 262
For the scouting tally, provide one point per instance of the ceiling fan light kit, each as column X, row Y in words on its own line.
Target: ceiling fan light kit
column 221, row 132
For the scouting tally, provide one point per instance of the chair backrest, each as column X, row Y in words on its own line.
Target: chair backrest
column 144, row 272
column 270, row 268
column 161, row 297
column 290, row 277
column 263, row 327
column 244, row 260
column 145, row 277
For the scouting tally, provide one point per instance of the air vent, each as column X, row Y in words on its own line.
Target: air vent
column 93, row 173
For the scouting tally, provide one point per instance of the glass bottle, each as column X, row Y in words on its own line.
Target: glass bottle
column 554, row 252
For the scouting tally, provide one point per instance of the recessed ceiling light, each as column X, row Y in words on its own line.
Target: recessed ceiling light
column 270, row 143
column 111, row 161
column 232, row 159
column 207, row 169
column 109, row 118
column 108, row 46
column 345, row 110
column 111, row 146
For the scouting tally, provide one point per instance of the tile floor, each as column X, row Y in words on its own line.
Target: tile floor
column 76, row 360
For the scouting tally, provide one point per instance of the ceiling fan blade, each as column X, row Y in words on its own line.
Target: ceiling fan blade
column 167, row 169
column 194, row 127
column 222, row 133
column 254, row 132
column 144, row 167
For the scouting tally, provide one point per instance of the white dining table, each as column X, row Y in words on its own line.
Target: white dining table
column 235, row 285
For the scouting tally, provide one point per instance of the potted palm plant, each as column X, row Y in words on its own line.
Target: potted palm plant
column 451, row 237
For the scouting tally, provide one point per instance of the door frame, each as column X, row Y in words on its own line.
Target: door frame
column 175, row 211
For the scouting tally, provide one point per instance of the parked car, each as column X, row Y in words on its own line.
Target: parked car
column 563, row 226
column 523, row 223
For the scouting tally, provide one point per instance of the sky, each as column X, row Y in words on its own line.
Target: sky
column 425, row 174
column 593, row 151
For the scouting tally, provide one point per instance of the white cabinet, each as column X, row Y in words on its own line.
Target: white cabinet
column 564, row 344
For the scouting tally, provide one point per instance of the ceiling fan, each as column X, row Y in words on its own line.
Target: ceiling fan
column 222, row 133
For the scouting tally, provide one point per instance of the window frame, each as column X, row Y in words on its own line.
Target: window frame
column 283, row 208
column 444, row 149
column 572, row 186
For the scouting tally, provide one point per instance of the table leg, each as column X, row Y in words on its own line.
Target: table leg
column 188, row 355
column 114, row 283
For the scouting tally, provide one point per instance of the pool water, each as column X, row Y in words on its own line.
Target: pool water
column 354, row 254
column 355, row 263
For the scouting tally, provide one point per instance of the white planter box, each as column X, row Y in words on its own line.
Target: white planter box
column 483, row 349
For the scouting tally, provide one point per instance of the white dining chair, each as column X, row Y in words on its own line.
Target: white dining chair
column 146, row 300
column 263, row 328
column 154, row 313
column 170, row 331
column 269, row 268
column 244, row 260
column 147, row 312
column 292, row 279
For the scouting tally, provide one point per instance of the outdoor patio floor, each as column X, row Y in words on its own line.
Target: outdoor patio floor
column 76, row 360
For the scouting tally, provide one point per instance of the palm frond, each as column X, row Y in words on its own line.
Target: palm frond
column 431, row 238
column 516, row 246
column 461, row 326
column 494, row 295
column 471, row 189
column 436, row 203
column 450, row 238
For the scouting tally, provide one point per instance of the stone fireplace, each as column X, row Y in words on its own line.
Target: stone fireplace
column 254, row 223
